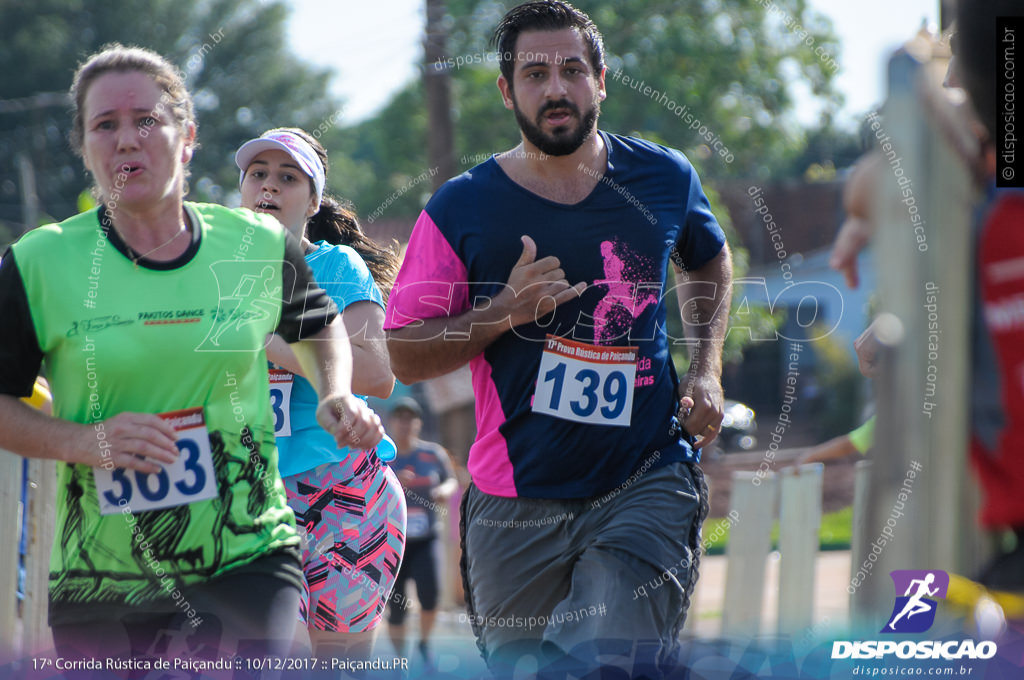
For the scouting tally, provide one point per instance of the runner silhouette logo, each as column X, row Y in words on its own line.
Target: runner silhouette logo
column 917, row 592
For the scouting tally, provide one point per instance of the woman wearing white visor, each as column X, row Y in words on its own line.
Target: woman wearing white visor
column 348, row 504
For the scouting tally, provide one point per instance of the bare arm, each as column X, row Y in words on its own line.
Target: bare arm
column 450, row 485
column 833, row 449
column 326, row 361
column 281, row 354
column 433, row 347
column 137, row 441
column 445, row 489
column 371, row 367
column 704, row 307
column 859, row 226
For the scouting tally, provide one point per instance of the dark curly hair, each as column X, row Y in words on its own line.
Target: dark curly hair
column 544, row 15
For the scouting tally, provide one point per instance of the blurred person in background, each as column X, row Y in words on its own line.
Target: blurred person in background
column 996, row 393
column 997, row 337
column 860, row 440
column 426, row 473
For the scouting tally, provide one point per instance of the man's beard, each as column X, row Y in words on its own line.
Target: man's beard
column 558, row 143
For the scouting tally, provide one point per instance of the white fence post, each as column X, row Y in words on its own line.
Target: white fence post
column 861, row 482
column 747, row 551
column 919, row 473
column 799, row 539
column 42, row 495
column 10, row 533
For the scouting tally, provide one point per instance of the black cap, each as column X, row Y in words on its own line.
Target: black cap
column 408, row 404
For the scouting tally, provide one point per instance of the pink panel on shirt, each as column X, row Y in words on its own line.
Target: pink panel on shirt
column 489, row 464
column 424, row 290
column 429, row 275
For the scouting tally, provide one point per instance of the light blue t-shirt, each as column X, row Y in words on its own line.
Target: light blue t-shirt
column 342, row 273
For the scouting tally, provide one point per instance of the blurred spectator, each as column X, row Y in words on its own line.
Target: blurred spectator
column 997, row 395
column 861, row 439
column 426, row 474
column 997, row 335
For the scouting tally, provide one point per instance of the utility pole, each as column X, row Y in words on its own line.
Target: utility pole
column 29, row 198
column 437, row 87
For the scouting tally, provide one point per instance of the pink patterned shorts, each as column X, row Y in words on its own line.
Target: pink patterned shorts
column 352, row 519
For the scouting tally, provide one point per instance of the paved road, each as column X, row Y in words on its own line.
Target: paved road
column 457, row 657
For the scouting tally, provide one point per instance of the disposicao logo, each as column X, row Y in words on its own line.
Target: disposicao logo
column 914, row 610
column 917, row 595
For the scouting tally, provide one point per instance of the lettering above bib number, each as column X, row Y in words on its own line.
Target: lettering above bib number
column 586, row 383
column 188, row 479
column 281, row 401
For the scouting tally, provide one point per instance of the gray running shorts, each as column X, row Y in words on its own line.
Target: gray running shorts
column 576, row 580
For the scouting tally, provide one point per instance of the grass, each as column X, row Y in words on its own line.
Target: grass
column 836, row 531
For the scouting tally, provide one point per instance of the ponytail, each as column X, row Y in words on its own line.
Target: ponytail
column 338, row 224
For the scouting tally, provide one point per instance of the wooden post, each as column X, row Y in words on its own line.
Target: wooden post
column 753, row 502
column 799, row 530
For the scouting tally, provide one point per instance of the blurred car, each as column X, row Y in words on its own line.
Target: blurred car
column 739, row 429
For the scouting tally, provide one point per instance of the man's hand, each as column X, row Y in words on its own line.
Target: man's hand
column 701, row 408
column 535, row 287
column 406, row 476
column 350, row 421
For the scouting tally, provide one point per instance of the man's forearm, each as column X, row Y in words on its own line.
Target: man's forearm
column 706, row 314
column 434, row 347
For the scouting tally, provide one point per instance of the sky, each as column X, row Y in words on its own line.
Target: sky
column 373, row 47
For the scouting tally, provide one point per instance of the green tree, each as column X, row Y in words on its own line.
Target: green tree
column 232, row 52
column 384, row 158
column 734, row 65
column 827, row 148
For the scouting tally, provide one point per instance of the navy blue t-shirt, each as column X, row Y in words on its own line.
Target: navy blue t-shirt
column 566, row 417
column 429, row 464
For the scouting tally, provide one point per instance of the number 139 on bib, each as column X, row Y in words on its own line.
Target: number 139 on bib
column 586, row 383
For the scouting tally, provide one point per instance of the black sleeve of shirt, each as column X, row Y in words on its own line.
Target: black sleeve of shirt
column 306, row 308
column 20, row 356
